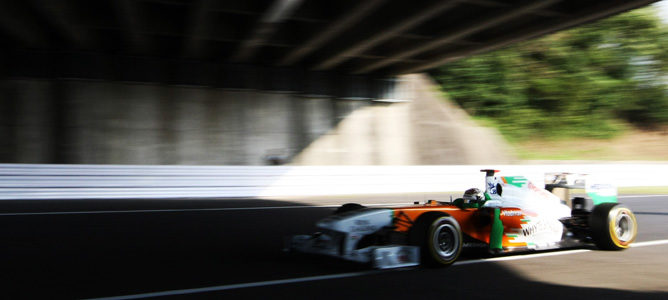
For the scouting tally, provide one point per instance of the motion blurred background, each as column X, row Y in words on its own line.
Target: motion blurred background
column 148, row 146
column 594, row 92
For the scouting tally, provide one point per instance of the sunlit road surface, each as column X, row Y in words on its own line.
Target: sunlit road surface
column 232, row 249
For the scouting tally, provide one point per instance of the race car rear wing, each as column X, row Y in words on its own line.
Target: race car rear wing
column 599, row 191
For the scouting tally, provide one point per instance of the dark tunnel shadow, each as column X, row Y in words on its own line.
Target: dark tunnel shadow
column 172, row 244
column 111, row 254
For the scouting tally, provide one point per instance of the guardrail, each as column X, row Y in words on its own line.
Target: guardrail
column 39, row 181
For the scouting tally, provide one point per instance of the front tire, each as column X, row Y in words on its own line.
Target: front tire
column 613, row 226
column 439, row 237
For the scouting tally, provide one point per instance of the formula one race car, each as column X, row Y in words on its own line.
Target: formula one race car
column 512, row 214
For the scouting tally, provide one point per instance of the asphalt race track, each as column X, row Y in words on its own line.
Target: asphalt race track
column 231, row 249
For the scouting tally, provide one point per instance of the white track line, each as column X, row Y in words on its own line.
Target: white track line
column 224, row 209
column 649, row 243
column 239, row 286
column 186, row 209
column 353, row 274
column 641, row 196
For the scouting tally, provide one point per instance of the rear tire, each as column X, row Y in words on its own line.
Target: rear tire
column 348, row 207
column 613, row 226
column 439, row 237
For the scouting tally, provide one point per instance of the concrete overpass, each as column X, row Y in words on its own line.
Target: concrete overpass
column 210, row 42
column 229, row 82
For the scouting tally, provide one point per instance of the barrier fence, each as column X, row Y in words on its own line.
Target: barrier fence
column 44, row 181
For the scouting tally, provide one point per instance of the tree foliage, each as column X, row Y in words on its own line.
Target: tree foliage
column 586, row 81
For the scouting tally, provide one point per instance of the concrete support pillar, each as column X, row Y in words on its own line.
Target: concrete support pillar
column 167, row 116
column 34, row 140
column 63, row 132
column 190, row 125
column 230, row 120
column 8, row 122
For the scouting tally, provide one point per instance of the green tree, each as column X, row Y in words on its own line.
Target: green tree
column 580, row 82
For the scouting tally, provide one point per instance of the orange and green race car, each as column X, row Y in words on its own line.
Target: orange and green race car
column 512, row 214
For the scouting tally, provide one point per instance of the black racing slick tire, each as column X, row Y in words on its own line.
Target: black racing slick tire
column 613, row 226
column 348, row 207
column 439, row 237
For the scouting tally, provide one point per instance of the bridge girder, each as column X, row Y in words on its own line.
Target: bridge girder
column 375, row 37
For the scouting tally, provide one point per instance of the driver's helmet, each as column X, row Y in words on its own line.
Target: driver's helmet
column 473, row 195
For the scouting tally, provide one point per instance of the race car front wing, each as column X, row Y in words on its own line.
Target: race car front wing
column 331, row 244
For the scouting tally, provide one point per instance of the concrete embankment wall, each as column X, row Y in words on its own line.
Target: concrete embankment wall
column 426, row 130
column 103, row 122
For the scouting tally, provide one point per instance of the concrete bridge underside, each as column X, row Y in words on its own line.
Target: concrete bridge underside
column 106, row 39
